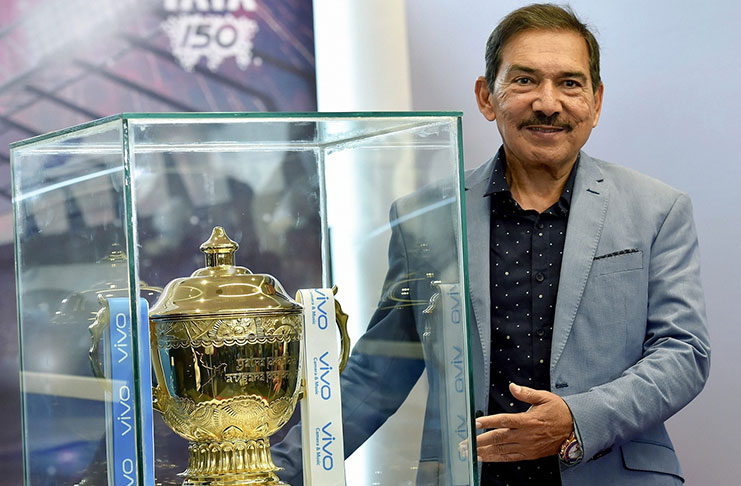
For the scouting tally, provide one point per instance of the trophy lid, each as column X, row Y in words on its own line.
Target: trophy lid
column 222, row 288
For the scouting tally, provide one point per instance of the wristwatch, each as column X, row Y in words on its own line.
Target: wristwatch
column 571, row 452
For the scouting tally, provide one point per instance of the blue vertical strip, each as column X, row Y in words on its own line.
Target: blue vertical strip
column 145, row 387
column 123, row 397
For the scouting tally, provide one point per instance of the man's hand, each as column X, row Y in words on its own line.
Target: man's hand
column 539, row 432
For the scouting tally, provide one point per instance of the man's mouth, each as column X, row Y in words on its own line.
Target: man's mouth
column 545, row 129
column 546, row 124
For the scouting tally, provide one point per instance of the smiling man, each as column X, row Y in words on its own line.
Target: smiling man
column 587, row 317
column 590, row 312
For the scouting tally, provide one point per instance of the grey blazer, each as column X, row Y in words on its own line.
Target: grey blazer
column 630, row 342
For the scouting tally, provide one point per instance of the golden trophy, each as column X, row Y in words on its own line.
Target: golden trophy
column 226, row 352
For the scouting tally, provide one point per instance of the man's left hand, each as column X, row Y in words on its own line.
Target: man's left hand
column 537, row 433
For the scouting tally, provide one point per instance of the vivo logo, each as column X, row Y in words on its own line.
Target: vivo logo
column 321, row 320
column 327, row 440
column 325, row 389
column 210, row 5
column 457, row 363
column 122, row 329
column 127, row 467
column 455, row 312
column 462, row 432
column 124, row 399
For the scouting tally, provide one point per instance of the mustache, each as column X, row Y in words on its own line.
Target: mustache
column 539, row 119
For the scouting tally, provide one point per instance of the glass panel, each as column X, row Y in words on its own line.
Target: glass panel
column 367, row 201
column 68, row 195
column 192, row 177
column 394, row 219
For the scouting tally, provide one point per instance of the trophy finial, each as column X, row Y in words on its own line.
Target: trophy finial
column 219, row 249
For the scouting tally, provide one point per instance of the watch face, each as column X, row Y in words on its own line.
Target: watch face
column 573, row 452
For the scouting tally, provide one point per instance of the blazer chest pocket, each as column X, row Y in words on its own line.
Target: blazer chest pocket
column 619, row 261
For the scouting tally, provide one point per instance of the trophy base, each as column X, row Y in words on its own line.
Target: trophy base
column 268, row 479
column 231, row 463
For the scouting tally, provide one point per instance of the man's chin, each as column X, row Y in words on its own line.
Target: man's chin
column 550, row 156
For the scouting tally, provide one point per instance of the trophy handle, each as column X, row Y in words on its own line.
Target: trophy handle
column 341, row 319
column 96, row 329
column 159, row 394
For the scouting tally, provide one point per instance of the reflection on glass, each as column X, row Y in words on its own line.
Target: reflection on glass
column 308, row 198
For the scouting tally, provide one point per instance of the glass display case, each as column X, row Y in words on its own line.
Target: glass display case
column 113, row 210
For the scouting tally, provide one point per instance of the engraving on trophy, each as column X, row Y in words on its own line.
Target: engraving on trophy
column 227, row 332
column 245, row 377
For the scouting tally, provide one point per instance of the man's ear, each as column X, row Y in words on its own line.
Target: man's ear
column 598, row 104
column 483, row 99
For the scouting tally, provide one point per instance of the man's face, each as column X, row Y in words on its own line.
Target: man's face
column 543, row 101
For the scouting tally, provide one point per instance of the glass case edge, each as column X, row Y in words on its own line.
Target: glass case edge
column 65, row 131
column 466, row 283
column 16, row 258
column 134, row 291
column 189, row 116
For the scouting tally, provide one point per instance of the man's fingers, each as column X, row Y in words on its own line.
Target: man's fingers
column 496, row 437
column 528, row 395
column 498, row 421
column 499, row 453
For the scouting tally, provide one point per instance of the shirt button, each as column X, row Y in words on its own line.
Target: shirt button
column 540, row 332
column 541, row 226
column 539, row 277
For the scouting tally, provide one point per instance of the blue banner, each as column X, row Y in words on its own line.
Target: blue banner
column 123, row 395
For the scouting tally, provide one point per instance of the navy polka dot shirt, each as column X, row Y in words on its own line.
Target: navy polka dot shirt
column 526, row 248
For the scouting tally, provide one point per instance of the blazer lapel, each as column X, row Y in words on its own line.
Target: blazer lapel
column 586, row 218
column 477, row 222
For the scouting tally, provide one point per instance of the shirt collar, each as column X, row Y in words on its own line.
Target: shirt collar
column 499, row 190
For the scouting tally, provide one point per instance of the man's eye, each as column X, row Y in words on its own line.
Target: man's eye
column 570, row 83
column 522, row 81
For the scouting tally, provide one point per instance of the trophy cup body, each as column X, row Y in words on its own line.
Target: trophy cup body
column 226, row 352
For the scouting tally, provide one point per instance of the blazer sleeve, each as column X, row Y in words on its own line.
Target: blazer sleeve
column 675, row 361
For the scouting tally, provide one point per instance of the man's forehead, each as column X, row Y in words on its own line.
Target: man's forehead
column 541, row 32
column 537, row 48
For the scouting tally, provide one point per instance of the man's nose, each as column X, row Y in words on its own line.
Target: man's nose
column 547, row 99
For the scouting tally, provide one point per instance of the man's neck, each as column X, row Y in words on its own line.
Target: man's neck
column 535, row 186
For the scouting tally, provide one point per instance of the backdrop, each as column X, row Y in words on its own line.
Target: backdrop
column 667, row 65
column 64, row 62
